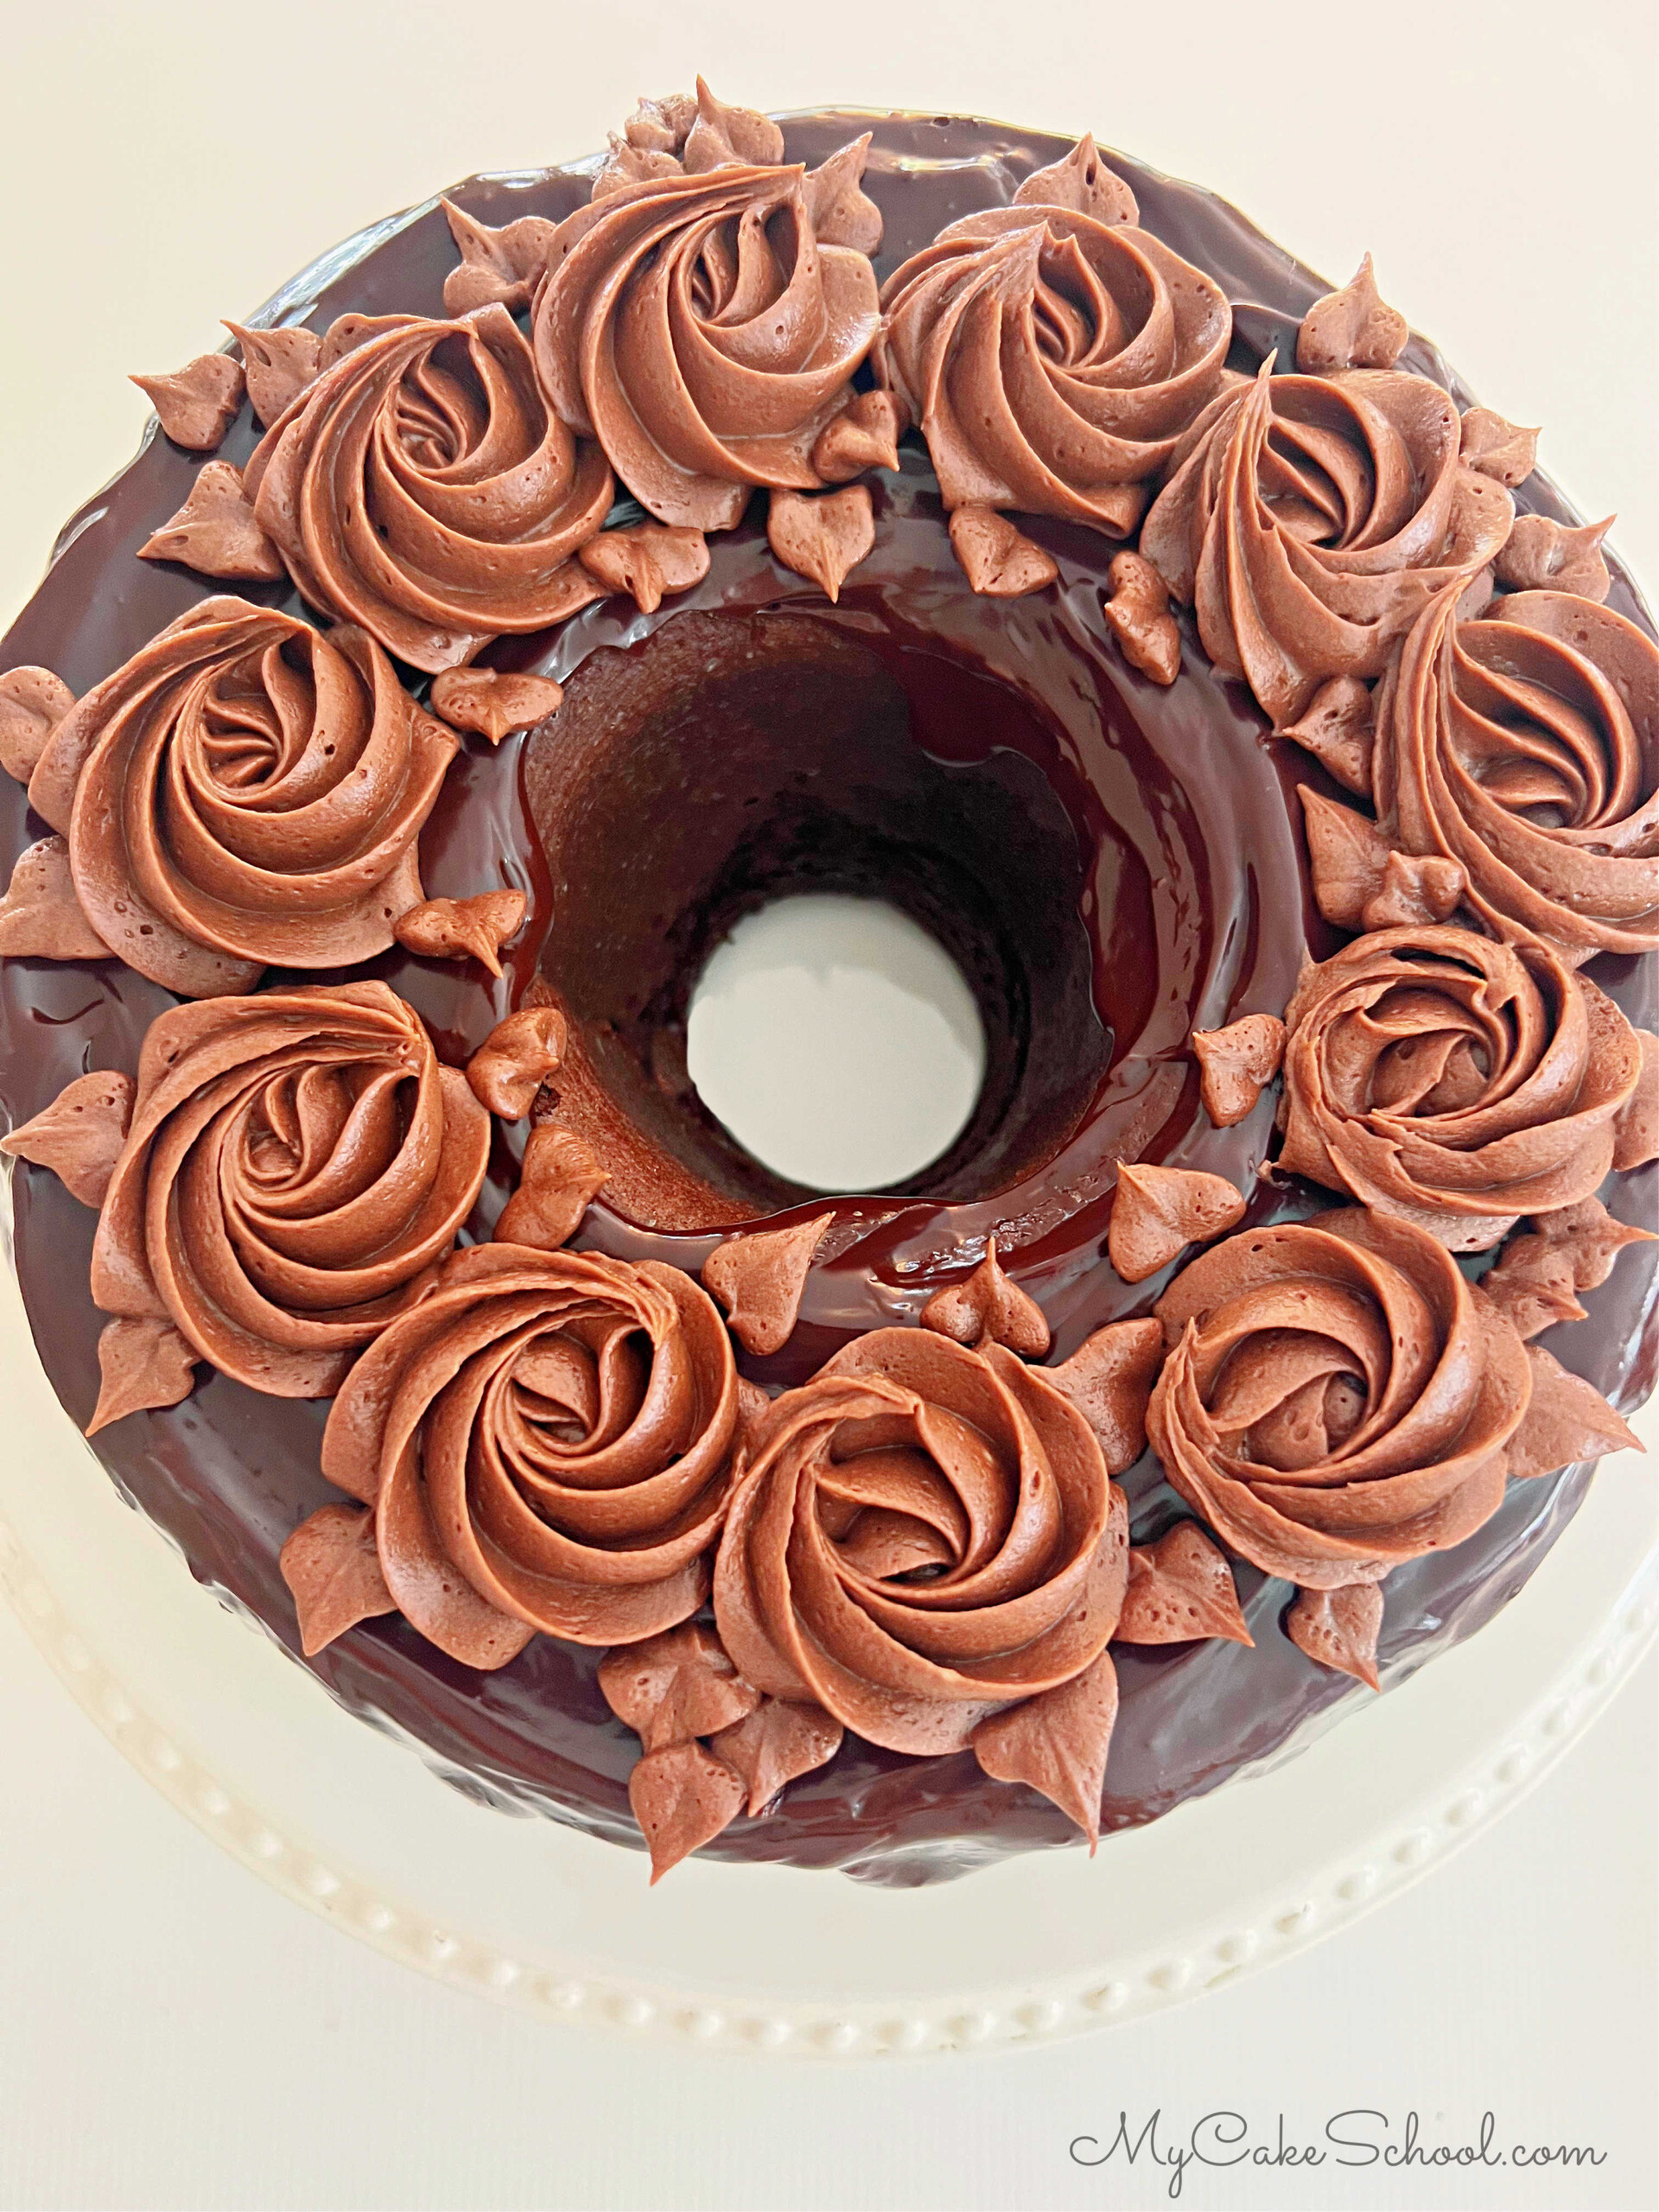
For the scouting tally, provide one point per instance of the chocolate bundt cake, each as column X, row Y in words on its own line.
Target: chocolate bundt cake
column 907, row 506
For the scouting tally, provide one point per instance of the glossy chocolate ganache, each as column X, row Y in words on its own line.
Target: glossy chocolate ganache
column 1115, row 860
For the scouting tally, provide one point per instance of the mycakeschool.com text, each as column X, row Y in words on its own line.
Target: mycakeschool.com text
column 1359, row 2137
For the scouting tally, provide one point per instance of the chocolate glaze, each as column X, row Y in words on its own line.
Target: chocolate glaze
column 1111, row 864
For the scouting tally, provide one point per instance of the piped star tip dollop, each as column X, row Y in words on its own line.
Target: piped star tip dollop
column 989, row 1307
column 1159, row 1211
column 759, row 1279
column 462, row 929
column 1338, row 1629
column 1057, row 1743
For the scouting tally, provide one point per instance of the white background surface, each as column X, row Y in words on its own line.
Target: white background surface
column 170, row 2033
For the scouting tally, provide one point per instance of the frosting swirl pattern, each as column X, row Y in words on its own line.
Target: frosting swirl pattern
column 1309, row 519
column 297, row 1165
column 1335, row 1398
column 422, row 487
column 1455, row 1081
column 704, row 331
column 918, row 1537
column 244, row 792
column 1051, row 359
column 1525, row 746
column 545, row 1441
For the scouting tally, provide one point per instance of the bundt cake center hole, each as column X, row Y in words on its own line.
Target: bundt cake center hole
column 836, row 1041
column 730, row 764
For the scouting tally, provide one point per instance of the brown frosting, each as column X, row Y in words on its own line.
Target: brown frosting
column 1569, row 1421
column 142, row 1362
column 492, row 703
column 1338, row 1628
column 498, row 268
column 1338, row 730
column 674, row 1687
column 332, row 1568
column 1051, row 358
column 759, row 1279
column 1532, row 1287
column 1363, row 881
column 278, row 366
column 1454, row 1081
column 1542, row 555
column 422, row 487
column 516, row 1058
column 1137, row 612
column 544, row 1440
column 1158, row 1212
column 462, row 929
column 1563, row 1252
column 822, row 537
column 1180, row 1589
column 919, row 1537
column 1524, row 747
column 243, row 791
column 777, row 1744
column 987, row 1308
column 996, row 559
column 1109, row 1379
column 1308, row 519
column 1080, row 180
column 1352, row 328
column 32, row 701
column 296, row 1164
column 1498, row 447
column 1635, row 1133
column 681, row 1798
column 80, row 1135
column 705, row 326
column 1057, row 1743
column 646, row 560
column 865, row 434
column 1235, row 1065
column 199, row 403
column 1337, row 1398
column 216, row 532
column 561, row 1177
column 41, row 917
column 1589, row 1238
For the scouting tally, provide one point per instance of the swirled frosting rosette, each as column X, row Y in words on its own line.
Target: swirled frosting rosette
column 918, row 1537
column 704, row 328
column 1308, row 519
column 422, row 487
column 1524, row 745
column 244, row 792
column 297, row 1165
column 545, row 1442
column 1051, row 359
column 1454, row 1081
column 1335, row 1398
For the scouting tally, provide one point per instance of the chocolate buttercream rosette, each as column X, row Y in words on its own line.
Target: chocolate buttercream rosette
column 1051, row 352
column 422, row 487
column 1308, row 519
column 544, row 1442
column 705, row 328
column 1523, row 744
column 297, row 1165
column 1337, row 1400
column 1456, row 1082
column 920, row 1537
column 244, row 792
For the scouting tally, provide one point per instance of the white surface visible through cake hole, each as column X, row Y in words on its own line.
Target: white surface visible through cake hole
column 838, row 1042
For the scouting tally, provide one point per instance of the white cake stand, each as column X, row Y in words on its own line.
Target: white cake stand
column 348, row 1821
